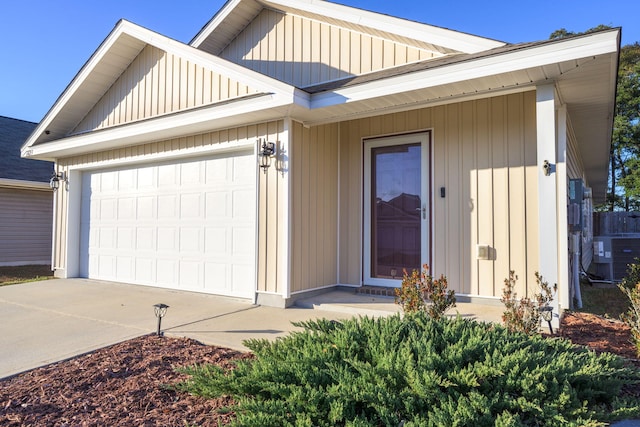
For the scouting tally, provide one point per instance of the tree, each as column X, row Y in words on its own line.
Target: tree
column 625, row 146
column 624, row 170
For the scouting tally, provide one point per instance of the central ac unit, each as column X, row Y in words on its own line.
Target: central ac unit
column 613, row 254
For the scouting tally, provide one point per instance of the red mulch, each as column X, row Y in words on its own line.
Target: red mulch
column 126, row 384
column 121, row 385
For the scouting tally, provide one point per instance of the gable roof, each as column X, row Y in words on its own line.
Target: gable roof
column 112, row 58
column 583, row 69
column 236, row 15
column 13, row 133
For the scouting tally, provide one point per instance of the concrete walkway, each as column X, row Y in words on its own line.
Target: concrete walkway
column 52, row 320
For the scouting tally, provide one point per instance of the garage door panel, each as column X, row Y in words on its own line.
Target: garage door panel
column 190, row 205
column 215, row 241
column 168, row 206
column 146, row 207
column 190, row 240
column 189, row 225
column 216, row 205
column 126, row 208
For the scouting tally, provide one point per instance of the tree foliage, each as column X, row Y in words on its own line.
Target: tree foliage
column 624, row 170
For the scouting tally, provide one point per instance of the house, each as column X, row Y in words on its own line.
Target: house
column 25, row 199
column 250, row 162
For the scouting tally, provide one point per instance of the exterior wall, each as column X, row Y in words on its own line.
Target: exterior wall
column 304, row 52
column 314, row 206
column 158, row 83
column 272, row 273
column 575, row 170
column 25, row 226
column 484, row 154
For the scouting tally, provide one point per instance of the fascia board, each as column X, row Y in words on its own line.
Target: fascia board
column 158, row 128
column 217, row 19
column 77, row 81
column 454, row 40
column 249, row 77
column 584, row 47
column 23, row 184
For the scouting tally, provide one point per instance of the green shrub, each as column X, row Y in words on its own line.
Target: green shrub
column 413, row 370
column 421, row 292
column 632, row 277
column 632, row 316
column 523, row 315
column 630, row 286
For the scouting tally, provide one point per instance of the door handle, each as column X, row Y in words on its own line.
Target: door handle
column 424, row 211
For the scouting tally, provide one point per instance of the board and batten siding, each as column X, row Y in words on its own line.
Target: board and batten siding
column 305, row 52
column 314, row 206
column 25, row 226
column 271, row 187
column 484, row 155
column 158, row 83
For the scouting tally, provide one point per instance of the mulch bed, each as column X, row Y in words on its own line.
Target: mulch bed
column 127, row 384
column 121, row 385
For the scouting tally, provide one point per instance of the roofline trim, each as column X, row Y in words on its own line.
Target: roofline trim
column 572, row 49
column 252, row 78
column 450, row 39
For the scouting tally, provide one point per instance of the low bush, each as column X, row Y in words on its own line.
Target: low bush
column 523, row 314
column 421, row 292
column 413, row 370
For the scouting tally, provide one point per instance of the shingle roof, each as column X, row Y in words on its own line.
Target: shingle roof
column 13, row 133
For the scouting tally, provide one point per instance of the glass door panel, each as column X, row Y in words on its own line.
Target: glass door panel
column 396, row 210
column 396, row 207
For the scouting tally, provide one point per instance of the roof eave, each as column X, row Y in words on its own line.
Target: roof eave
column 262, row 107
column 449, row 39
column 142, row 36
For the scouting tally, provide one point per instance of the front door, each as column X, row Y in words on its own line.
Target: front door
column 396, row 207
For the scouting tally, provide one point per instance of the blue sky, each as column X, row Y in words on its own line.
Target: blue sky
column 44, row 43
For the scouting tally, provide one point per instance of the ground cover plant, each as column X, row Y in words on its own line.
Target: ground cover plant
column 414, row 370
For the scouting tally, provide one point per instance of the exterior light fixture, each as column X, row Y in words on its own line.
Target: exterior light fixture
column 266, row 151
column 54, row 182
column 547, row 314
column 160, row 310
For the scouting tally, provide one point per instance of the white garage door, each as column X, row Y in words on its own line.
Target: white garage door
column 186, row 225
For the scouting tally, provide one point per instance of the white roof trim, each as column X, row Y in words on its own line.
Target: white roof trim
column 26, row 185
column 450, row 39
column 251, row 78
column 160, row 128
column 583, row 47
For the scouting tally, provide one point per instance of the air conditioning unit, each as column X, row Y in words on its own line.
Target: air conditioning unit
column 612, row 255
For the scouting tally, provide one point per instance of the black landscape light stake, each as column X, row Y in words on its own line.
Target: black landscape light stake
column 160, row 310
column 547, row 313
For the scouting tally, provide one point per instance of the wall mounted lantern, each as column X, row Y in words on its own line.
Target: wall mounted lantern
column 266, row 151
column 160, row 310
column 54, row 182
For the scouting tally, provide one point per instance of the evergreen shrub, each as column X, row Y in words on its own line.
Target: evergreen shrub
column 413, row 370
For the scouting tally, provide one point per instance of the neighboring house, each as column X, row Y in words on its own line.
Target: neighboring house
column 25, row 199
column 160, row 143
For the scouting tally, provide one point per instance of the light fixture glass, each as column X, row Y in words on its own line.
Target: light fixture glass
column 267, row 149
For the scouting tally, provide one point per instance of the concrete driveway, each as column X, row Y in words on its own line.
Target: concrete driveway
column 52, row 320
